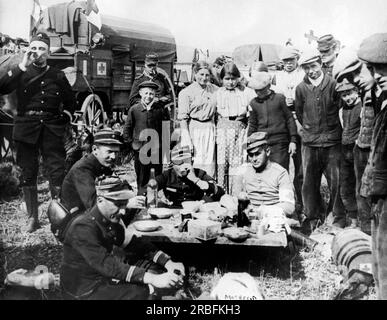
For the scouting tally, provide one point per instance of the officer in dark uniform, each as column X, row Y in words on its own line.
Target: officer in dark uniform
column 45, row 106
column 327, row 45
column 182, row 182
column 78, row 188
column 163, row 93
column 90, row 271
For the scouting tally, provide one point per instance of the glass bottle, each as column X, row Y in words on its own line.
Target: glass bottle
column 243, row 202
column 152, row 190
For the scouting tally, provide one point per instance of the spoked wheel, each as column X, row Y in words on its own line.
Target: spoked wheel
column 93, row 112
column 5, row 148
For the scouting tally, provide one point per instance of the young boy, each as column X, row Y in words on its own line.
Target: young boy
column 269, row 113
column 351, row 127
column 146, row 114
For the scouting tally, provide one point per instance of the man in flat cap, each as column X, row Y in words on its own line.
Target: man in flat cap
column 327, row 45
column 317, row 109
column 45, row 106
column 182, row 182
column 286, row 82
column 270, row 113
column 91, row 271
column 350, row 115
column 78, row 188
column 150, row 73
column 145, row 120
column 349, row 67
column 373, row 50
column 266, row 183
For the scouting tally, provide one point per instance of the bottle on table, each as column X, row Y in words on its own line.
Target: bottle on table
column 243, row 202
column 152, row 190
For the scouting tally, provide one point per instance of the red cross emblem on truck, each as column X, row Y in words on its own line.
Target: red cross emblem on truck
column 101, row 68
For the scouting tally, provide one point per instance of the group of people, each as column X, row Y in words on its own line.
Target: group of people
column 325, row 111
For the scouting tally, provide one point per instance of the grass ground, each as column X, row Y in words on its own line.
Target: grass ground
column 281, row 274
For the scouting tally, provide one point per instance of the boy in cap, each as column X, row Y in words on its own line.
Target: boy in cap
column 145, row 119
column 317, row 109
column 182, row 182
column 374, row 184
column 44, row 108
column 327, row 45
column 351, row 128
column 267, row 183
column 349, row 67
column 78, row 188
column 286, row 82
column 91, row 271
column 150, row 73
column 270, row 113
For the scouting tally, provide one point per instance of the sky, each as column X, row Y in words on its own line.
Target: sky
column 222, row 25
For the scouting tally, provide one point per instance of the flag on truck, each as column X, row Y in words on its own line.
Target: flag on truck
column 92, row 14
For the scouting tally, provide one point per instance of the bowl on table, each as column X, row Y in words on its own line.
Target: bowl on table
column 146, row 225
column 160, row 213
column 235, row 234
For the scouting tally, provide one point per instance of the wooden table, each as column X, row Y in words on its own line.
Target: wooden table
column 170, row 233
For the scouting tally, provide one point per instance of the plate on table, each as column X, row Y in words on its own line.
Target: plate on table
column 236, row 234
column 146, row 226
column 160, row 213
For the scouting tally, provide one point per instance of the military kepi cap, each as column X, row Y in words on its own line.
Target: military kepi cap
column 107, row 136
column 181, row 154
column 41, row 36
column 326, row 42
column 149, row 84
column 255, row 140
column 344, row 85
column 374, row 48
column 151, row 57
column 113, row 188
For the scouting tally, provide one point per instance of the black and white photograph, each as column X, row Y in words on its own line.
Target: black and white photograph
column 211, row 152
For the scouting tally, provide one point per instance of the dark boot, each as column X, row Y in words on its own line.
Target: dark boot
column 31, row 202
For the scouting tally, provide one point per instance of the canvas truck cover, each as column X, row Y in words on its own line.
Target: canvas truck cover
column 138, row 37
column 67, row 26
column 245, row 55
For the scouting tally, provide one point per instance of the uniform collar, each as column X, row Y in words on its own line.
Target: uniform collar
column 100, row 169
column 97, row 216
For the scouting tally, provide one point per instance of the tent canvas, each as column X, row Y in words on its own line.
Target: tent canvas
column 245, row 55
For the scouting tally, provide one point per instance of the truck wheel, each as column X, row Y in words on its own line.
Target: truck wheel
column 93, row 112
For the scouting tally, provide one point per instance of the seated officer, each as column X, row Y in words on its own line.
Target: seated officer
column 78, row 188
column 91, row 271
column 182, row 182
column 266, row 183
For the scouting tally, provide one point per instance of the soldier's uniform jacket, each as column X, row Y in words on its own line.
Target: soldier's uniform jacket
column 178, row 189
column 48, row 97
column 162, row 91
column 87, row 254
column 78, row 188
column 374, row 181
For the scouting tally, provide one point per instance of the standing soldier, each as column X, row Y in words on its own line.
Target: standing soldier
column 45, row 105
column 163, row 93
column 327, row 45
column 374, row 183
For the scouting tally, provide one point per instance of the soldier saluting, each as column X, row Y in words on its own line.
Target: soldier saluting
column 45, row 105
